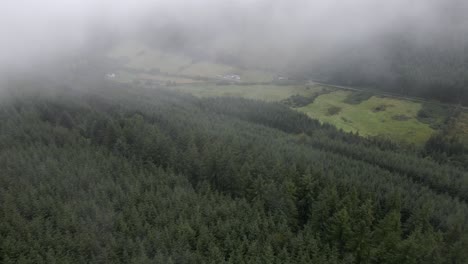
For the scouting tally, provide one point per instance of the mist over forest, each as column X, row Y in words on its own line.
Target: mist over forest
column 410, row 47
column 234, row 131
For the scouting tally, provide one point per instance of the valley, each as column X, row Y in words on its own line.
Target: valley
column 367, row 113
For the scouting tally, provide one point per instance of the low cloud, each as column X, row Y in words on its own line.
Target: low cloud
column 274, row 32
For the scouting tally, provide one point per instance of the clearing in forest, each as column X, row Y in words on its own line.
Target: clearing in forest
column 376, row 116
column 270, row 93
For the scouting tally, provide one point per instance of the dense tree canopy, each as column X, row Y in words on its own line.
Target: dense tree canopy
column 129, row 175
column 433, row 66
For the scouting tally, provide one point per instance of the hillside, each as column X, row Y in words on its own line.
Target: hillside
column 118, row 174
column 234, row 132
column 370, row 114
column 135, row 60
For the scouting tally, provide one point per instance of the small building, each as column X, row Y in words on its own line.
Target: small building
column 110, row 75
column 232, row 77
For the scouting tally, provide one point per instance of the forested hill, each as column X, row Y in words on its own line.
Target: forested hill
column 118, row 174
column 435, row 70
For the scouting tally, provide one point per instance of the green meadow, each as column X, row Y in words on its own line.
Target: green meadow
column 377, row 116
column 136, row 58
column 259, row 92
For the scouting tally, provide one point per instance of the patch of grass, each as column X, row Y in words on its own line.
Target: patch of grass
column 208, row 69
column 401, row 118
column 215, row 70
column 140, row 57
column 346, row 120
column 259, row 92
column 355, row 98
column 256, row 76
column 362, row 119
column 131, row 77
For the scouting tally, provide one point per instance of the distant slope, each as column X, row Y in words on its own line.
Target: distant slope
column 379, row 114
column 136, row 58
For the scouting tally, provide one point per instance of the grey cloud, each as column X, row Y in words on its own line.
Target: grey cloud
column 273, row 31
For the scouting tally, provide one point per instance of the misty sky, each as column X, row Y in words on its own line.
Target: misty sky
column 35, row 31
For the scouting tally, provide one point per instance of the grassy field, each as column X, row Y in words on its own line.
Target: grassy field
column 208, row 69
column 127, row 77
column 141, row 58
column 138, row 56
column 259, row 92
column 393, row 118
column 215, row 70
